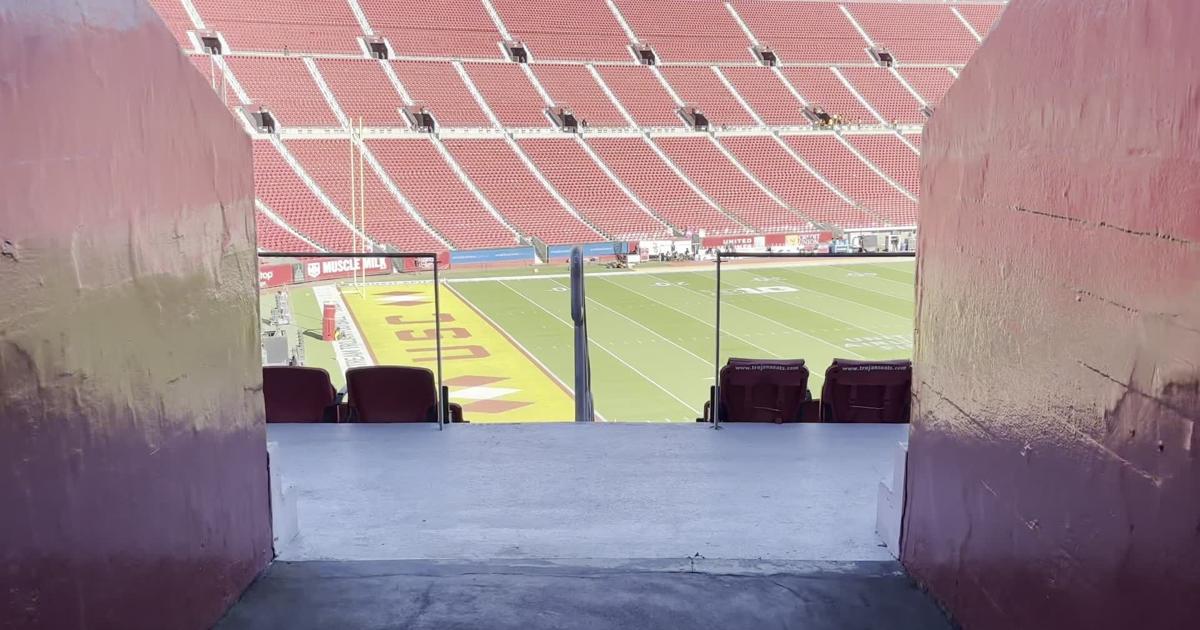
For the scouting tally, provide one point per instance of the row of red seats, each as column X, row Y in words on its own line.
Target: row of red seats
column 751, row 390
column 386, row 393
column 728, row 95
column 587, row 30
column 759, row 390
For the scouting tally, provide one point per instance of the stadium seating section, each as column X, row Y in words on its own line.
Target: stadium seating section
column 377, row 394
column 755, row 390
column 498, row 170
column 867, row 391
column 776, row 390
column 300, row 394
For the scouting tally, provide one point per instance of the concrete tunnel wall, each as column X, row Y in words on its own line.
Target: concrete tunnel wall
column 133, row 478
column 1054, row 470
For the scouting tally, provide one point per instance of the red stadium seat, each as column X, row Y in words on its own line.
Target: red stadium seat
column 867, row 391
column 393, row 393
column 299, row 394
column 306, row 66
column 763, row 390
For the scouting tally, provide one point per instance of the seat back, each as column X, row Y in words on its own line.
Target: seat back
column 391, row 393
column 867, row 391
column 298, row 394
column 760, row 390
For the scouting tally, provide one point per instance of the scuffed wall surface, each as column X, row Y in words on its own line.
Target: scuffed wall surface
column 1054, row 470
column 133, row 485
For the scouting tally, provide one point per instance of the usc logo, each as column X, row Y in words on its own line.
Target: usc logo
column 416, row 333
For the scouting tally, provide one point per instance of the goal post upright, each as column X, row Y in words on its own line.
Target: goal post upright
column 362, row 207
column 353, row 211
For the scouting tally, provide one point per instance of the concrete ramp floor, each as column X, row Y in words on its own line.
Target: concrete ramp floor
column 648, row 527
column 584, row 491
column 634, row 595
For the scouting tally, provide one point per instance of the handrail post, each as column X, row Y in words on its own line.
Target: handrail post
column 437, row 326
column 584, row 406
column 715, row 405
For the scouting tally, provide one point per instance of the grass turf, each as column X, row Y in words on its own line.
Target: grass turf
column 651, row 330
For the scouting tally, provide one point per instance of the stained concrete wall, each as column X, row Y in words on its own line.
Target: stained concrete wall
column 1054, row 475
column 133, row 482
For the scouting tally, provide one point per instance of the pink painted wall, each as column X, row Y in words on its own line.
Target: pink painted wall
column 1054, row 471
column 133, row 483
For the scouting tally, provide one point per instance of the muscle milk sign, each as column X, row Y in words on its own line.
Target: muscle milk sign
column 328, row 268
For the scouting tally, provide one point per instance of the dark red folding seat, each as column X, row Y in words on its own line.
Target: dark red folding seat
column 762, row 390
column 299, row 394
column 867, row 391
column 394, row 393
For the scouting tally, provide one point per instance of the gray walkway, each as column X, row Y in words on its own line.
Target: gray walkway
column 567, row 491
column 630, row 596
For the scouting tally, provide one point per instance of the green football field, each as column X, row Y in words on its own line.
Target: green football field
column 651, row 331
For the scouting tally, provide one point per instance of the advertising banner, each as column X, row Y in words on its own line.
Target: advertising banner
column 331, row 268
column 738, row 242
column 808, row 241
column 275, row 275
column 590, row 250
column 499, row 255
column 409, row 265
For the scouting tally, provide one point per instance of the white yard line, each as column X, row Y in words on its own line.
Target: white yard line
column 644, row 327
column 836, row 319
column 687, row 314
column 513, row 339
column 891, row 295
column 601, row 346
column 656, row 274
column 906, row 283
column 846, row 300
column 779, row 323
